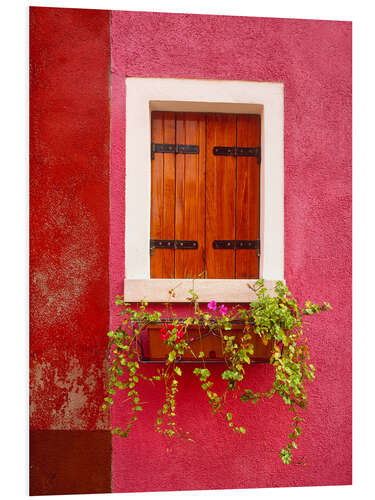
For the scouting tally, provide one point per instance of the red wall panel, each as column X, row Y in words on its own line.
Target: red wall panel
column 69, row 220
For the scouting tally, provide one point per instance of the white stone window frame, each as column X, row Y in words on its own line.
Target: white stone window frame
column 144, row 95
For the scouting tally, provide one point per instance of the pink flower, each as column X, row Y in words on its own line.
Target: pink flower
column 212, row 305
column 223, row 310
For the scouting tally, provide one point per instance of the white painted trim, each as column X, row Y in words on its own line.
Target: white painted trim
column 157, row 290
column 146, row 94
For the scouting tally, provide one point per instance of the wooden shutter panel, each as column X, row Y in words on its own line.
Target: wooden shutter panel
column 178, row 194
column 205, row 197
column 248, row 193
column 190, row 194
column 163, row 194
column 220, row 195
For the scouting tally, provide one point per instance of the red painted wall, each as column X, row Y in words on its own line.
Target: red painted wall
column 69, row 249
column 313, row 59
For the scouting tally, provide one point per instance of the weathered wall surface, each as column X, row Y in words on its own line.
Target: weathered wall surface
column 69, row 247
column 313, row 59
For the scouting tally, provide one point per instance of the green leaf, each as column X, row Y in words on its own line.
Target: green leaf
column 171, row 356
column 242, row 430
column 178, row 370
column 227, row 374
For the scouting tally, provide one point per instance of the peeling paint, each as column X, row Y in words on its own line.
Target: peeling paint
column 60, row 280
column 61, row 393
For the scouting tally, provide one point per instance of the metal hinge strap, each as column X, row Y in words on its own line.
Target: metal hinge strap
column 173, row 148
column 235, row 151
column 236, row 244
column 173, row 244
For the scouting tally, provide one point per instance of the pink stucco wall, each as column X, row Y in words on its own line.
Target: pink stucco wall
column 313, row 59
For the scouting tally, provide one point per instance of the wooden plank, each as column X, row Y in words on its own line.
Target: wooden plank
column 190, row 194
column 248, row 193
column 163, row 194
column 220, row 195
column 221, row 290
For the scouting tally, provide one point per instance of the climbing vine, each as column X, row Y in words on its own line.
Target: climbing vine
column 275, row 318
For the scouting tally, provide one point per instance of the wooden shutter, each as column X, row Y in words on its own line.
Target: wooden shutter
column 205, row 197
column 190, row 195
column 247, row 197
column 178, row 194
column 163, row 187
column 221, row 195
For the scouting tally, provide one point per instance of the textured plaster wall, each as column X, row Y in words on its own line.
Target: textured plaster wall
column 69, row 249
column 313, row 60
column 69, row 215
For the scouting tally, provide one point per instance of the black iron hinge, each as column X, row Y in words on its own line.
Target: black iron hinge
column 237, row 244
column 173, row 244
column 234, row 151
column 173, row 148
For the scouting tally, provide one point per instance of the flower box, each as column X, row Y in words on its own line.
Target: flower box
column 152, row 349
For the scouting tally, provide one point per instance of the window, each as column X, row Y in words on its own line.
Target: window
column 147, row 95
column 205, row 183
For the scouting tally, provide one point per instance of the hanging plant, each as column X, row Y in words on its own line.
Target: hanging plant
column 276, row 320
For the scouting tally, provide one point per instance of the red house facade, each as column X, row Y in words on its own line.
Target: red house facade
column 87, row 70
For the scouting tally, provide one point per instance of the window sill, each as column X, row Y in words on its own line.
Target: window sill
column 220, row 290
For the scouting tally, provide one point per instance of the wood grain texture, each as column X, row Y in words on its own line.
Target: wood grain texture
column 163, row 194
column 220, row 195
column 248, row 196
column 190, row 195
